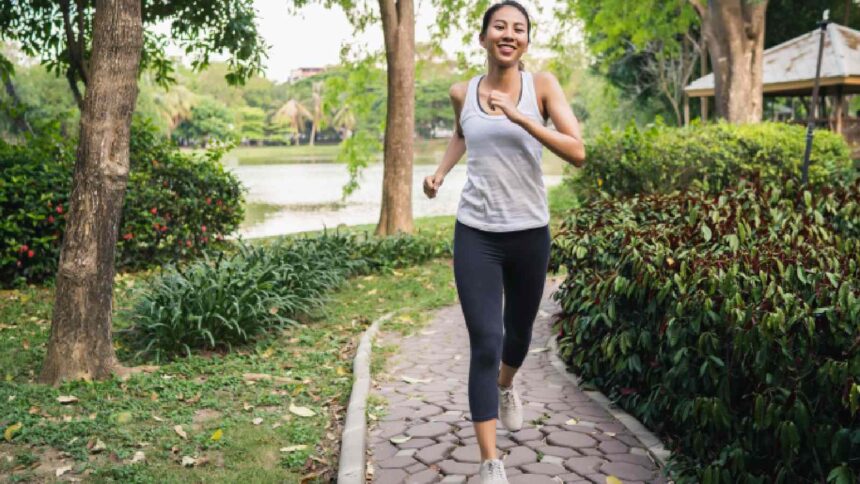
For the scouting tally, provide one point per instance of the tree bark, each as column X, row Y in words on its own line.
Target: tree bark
column 734, row 31
column 80, row 345
column 398, row 24
column 14, row 109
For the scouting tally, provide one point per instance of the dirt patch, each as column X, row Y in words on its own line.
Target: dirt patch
column 202, row 416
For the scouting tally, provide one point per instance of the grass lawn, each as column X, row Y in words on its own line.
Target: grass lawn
column 235, row 424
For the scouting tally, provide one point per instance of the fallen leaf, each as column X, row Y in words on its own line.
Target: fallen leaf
column 276, row 425
column 257, row 421
column 613, row 480
column 157, row 418
column 139, row 456
column 123, row 417
column 611, row 434
column 66, row 399
column 188, row 461
column 216, row 436
column 294, row 448
column 399, row 439
column 409, row 379
column 98, row 446
column 194, row 399
column 340, row 371
column 12, row 430
column 180, row 432
column 572, row 421
column 301, row 411
column 62, row 470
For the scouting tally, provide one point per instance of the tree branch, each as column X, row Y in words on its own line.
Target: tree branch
column 388, row 12
column 73, row 84
column 82, row 47
column 697, row 5
column 71, row 44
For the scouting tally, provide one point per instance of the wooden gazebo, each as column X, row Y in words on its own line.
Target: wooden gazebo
column 789, row 71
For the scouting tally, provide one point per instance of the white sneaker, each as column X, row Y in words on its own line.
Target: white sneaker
column 510, row 408
column 493, row 472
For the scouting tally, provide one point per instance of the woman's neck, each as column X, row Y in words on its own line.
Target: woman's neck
column 503, row 78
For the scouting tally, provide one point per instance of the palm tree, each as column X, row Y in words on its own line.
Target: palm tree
column 292, row 113
column 344, row 121
column 175, row 104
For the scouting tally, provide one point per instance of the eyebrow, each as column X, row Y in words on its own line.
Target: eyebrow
column 518, row 22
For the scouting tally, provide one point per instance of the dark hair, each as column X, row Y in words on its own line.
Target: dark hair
column 507, row 3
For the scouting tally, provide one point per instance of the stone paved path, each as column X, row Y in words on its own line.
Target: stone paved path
column 550, row 448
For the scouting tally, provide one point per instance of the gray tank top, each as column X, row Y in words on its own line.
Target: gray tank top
column 504, row 188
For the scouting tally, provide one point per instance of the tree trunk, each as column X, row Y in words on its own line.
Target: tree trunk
column 80, row 345
column 398, row 24
column 734, row 31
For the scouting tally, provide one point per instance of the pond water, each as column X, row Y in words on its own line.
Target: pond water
column 297, row 197
column 298, row 188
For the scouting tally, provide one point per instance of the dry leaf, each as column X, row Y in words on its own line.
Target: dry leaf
column 139, row 456
column 12, row 430
column 62, row 470
column 572, row 421
column 301, row 411
column 66, row 399
column 399, row 439
column 188, row 461
column 276, row 425
column 98, row 446
column 257, row 421
column 180, row 432
column 294, row 448
column 157, row 418
column 409, row 379
column 613, row 480
column 611, row 434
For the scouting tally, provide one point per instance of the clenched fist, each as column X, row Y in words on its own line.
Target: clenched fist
column 432, row 184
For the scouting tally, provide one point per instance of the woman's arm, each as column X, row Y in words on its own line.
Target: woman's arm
column 456, row 145
column 566, row 139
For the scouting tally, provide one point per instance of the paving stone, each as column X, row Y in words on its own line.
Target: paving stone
column 423, row 477
column 642, row 460
column 519, row 456
column 557, row 451
column 389, row 476
column 613, row 447
column 568, row 438
column 434, row 453
column 543, row 468
column 526, row 434
column 453, row 480
column 416, row 443
column 584, row 465
column 450, row 466
column 531, row 479
column 430, row 429
column 406, row 452
column 397, row 462
column 553, row 459
column 416, row 468
column 469, row 453
column 573, row 478
column 626, row 470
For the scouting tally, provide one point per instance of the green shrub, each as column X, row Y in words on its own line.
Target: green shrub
column 712, row 156
column 727, row 323
column 215, row 304
column 175, row 205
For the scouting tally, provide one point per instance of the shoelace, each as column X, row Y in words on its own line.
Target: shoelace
column 496, row 469
column 508, row 395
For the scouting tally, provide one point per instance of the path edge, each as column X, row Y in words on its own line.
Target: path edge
column 652, row 444
column 353, row 447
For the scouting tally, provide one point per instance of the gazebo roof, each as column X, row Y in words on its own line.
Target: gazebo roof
column 789, row 68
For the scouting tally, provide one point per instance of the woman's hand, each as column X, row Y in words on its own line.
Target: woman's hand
column 503, row 101
column 432, row 184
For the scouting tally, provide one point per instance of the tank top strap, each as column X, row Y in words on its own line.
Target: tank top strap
column 469, row 103
column 530, row 101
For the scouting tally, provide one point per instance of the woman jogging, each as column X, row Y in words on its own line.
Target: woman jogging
column 501, row 236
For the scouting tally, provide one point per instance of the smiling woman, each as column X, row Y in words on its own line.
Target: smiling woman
column 501, row 236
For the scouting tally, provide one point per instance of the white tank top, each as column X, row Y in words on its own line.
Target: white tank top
column 504, row 188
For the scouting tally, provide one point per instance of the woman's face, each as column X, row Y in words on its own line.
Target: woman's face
column 507, row 38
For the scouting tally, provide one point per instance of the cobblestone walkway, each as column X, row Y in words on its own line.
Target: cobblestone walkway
column 565, row 436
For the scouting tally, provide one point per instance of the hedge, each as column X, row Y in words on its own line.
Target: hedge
column 728, row 323
column 712, row 157
column 175, row 204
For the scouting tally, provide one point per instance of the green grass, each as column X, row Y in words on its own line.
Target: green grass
column 140, row 413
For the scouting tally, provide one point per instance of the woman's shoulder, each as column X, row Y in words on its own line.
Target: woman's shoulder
column 545, row 79
column 458, row 90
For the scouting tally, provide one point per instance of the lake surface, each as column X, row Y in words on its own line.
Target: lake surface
column 297, row 197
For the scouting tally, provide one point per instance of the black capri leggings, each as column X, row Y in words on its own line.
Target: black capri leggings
column 486, row 264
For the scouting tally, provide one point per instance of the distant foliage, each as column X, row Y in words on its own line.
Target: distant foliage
column 225, row 300
column 713, row 157
column 175, row 204
column 727, row 322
